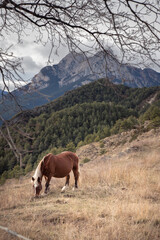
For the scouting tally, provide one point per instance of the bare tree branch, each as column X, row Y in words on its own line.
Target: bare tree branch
column 10, row 142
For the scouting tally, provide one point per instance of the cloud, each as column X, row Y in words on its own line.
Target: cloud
column 34, row 56
column 43, row 53
column 30, row 65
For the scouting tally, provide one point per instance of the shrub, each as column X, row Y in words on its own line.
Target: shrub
column 70, row 147
column 17, row 171
column 89, row 138
column 124, row 125
column 154, row 123
column 102, row 151
column 85, row 160
column 80, row 144
column 101, row 144
column 28, row 168
column 152, row 113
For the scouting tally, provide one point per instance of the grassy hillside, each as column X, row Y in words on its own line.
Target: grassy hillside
column 87, row 114
column 118, row 195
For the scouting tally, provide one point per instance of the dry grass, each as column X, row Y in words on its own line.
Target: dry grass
column 117, row 199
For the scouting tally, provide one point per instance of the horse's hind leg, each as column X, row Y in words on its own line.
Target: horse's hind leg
column 66, row 183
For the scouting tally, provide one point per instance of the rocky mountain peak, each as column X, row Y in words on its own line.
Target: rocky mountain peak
column 75, row 70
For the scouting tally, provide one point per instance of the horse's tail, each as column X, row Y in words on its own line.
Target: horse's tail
column 76, row 168
column 79, row 175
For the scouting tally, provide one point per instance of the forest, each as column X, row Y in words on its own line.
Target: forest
column 89, row 113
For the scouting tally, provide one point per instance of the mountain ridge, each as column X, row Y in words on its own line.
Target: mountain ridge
column 74, row 71
column 95, row 91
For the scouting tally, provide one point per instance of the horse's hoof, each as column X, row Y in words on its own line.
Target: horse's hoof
column 63, row 189
column 33, row 197
column 44, row 194
column 36, row 196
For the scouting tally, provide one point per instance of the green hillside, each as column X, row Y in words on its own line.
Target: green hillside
column 81, row 116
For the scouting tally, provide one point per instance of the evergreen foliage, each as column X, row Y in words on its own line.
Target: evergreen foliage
column 81, row 116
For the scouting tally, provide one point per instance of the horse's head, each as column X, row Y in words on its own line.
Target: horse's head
column 37, row 185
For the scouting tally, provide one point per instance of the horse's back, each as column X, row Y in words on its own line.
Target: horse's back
column 64, row 163
column 69, row 155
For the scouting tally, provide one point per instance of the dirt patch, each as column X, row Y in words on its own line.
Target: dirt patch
column 61, row 201
column 56, row 220
column 69, row 195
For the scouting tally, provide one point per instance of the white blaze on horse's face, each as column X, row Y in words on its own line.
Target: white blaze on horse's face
column 37, row 185
column 36, row 180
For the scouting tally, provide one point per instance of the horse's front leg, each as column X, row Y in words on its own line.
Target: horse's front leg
column 47, row 179
column 66, row 183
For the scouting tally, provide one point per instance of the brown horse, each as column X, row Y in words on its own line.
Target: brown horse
column 58, row 166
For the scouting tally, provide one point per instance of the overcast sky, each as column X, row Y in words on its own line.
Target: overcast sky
column 35, row 56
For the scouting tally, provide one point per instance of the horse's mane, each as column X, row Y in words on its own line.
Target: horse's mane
column 39, row 169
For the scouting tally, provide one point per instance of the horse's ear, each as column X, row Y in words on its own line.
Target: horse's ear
column 33, row 179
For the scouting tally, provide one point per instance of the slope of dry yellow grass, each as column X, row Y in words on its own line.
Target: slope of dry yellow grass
column 118, row 196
